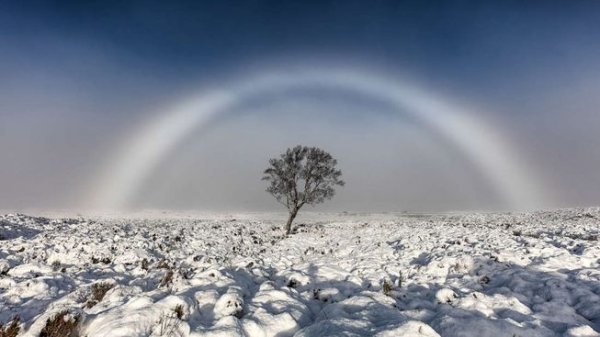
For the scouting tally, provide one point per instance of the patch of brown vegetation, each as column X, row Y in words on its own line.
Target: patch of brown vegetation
column 387, row 288
column 62, row 324
column 167, row 279
column 11, row 329
column 98, row 291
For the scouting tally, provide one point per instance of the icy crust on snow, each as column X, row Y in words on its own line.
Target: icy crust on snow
column 534, row 274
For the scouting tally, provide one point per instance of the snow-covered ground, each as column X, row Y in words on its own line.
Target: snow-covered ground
column 380, row 275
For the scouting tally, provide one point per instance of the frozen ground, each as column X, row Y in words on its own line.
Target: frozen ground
column 340, row 275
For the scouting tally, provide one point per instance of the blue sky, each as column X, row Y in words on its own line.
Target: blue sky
column 78, row 77
column 471, row 42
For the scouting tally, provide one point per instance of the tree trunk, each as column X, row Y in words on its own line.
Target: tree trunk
column 288, row 225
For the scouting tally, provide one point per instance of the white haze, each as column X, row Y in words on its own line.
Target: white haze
column 55, row 139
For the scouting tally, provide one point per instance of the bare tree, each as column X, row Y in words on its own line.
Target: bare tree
column 302, row 175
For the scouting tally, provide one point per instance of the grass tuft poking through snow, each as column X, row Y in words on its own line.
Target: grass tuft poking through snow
column 178, row 310
column 62, row 324
column 387, row 288
column 167, row 280
column 98, row 291
column 56, row 265
column 169, row 323
column 11, row 329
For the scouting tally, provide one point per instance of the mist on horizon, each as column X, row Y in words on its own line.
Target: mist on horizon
column 81, row 81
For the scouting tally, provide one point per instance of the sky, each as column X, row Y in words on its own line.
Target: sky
column 81, row 81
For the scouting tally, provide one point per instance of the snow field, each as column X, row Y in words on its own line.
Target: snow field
column 533, row 274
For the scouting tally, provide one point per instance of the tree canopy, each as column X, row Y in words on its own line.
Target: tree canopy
column 302, row 175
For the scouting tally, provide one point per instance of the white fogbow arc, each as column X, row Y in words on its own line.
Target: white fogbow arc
column 486, row 149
